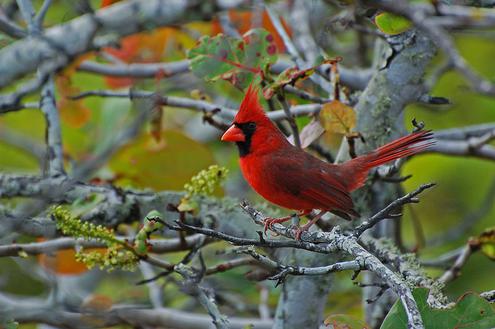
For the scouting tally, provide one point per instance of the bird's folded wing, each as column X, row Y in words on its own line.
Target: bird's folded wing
column 328, row 196
column 305, row 179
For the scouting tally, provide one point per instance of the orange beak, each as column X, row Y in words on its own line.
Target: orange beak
column 233, row 134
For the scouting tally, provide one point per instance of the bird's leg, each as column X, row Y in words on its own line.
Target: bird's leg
column 309, row 224
column 269, row 221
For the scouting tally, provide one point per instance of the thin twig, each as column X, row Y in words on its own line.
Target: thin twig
column 198, row 105
column 228, row 265
column 464, row 133
column 454, row 271
column 386, row 212
column 443, row 260
column 423, row 21
column 40, row 17
column 291, row 120
column 10, row 28
column 55, row 156
column 136, row 70
column 27, row 11
column 291, row 49
column 285, row 270
column 49, row 246
column 245, row 241
column 336, row 240
column 193, row 288
column 473, row 146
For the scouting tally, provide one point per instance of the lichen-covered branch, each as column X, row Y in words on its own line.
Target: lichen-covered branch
column 338, row 241
column 49, row 246
column 191, row 285
column 387, row 211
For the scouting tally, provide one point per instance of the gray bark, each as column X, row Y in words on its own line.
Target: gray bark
column 398, row 82
column 59, row 45
column 303, row 298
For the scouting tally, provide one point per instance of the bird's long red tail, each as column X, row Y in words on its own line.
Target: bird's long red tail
column 399, row 148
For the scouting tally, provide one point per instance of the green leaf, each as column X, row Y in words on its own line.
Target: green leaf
column 392, row 24
column 470, row 312
column 231, row 59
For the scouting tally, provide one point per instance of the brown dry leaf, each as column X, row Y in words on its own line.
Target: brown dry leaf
column 337, row 117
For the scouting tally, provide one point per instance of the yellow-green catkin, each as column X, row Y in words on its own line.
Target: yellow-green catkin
column 202, row 184
column 73, row 226
column 117, row 255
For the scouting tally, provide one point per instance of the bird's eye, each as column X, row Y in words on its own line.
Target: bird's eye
column 251, row 125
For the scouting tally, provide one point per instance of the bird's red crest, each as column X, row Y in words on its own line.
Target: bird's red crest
column 250, row 109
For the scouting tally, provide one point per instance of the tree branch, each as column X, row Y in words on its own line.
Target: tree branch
column 423, row 20
column 54, row 153
column 36, row 310
column 137, row 70
column 201, row 106
column 387, row 211
column 63, row 43
column 454, row 270
column 192, row 287
column 337, row 241
column 46, row 247
column 10, row 28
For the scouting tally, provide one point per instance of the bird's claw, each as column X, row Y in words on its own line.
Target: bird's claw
column 269, row 221
column 298, row 232
column 267, row 224
column 300, row 229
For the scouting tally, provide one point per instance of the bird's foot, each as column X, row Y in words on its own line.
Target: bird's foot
column 300, row 230
column 306, row 226
column 269, row 221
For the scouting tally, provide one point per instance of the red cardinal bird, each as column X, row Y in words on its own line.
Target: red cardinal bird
column 291, row 178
